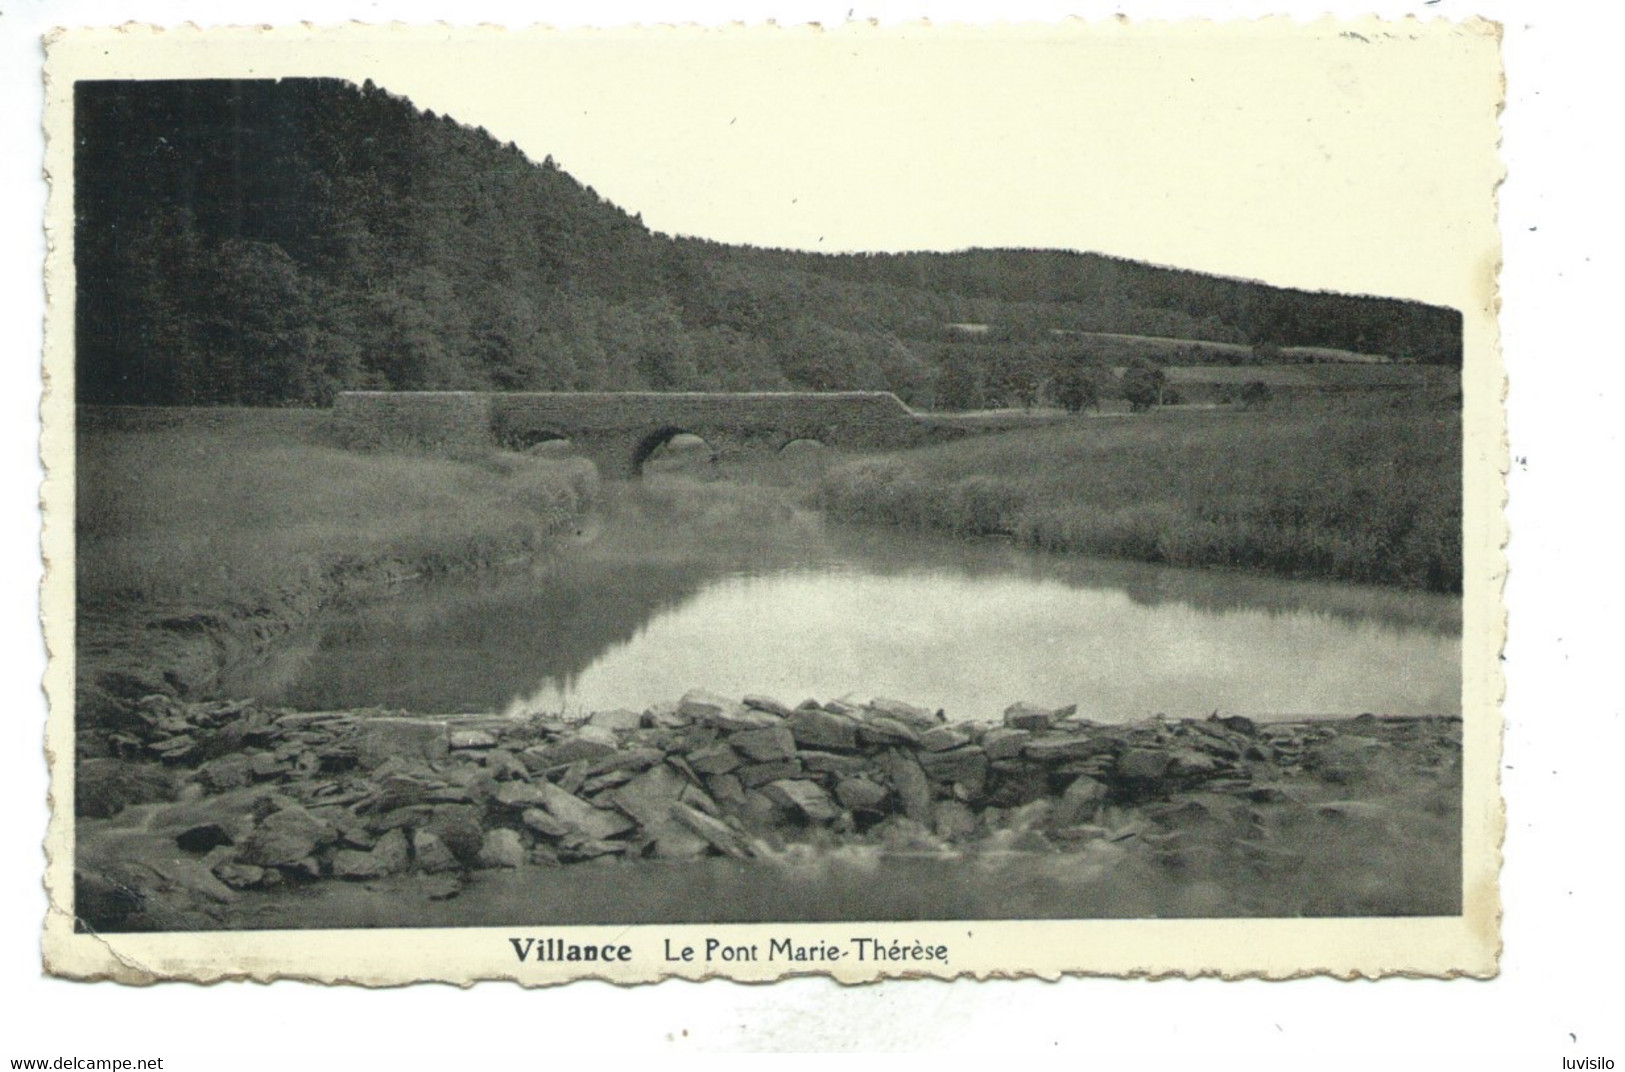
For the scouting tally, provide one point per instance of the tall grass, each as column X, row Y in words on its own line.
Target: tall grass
column 221, row 508
column 1366, row 491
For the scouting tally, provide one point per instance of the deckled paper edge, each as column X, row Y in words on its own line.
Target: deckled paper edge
column 1465, row 946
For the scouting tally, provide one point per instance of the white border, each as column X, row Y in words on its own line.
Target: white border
column 1563, row 717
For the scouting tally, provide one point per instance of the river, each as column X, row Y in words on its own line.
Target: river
column 734, row 590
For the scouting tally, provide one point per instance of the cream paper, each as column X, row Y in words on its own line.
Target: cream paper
column 1349, row 156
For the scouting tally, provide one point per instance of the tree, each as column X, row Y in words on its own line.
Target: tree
column 1077, row 387
column 1143, row 385
column 1255, row 393
column 959, row 385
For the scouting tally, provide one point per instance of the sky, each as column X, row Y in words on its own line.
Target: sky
column 1308, row 156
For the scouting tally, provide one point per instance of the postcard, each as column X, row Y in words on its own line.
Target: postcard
column 906, row 501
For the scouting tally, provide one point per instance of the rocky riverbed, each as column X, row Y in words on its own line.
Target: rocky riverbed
column 223, row 814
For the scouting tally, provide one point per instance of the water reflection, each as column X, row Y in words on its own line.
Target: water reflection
column 739, row 593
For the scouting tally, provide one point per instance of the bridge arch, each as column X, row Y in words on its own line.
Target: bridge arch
column 651, row 442
column 801, row 444
column 534, row 439
column 619, row 431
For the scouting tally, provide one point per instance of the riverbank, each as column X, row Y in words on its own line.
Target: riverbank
column 205, row 537
column 277, row 818
column 1359, row 490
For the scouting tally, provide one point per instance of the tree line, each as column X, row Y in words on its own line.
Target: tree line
column 274, row 242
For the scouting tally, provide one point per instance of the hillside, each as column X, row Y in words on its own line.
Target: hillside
column 273, row 242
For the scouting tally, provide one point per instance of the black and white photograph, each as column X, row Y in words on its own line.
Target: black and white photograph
column 1042, row 477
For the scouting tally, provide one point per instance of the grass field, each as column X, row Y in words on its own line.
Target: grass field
column 224, row 506
column 1365, row 490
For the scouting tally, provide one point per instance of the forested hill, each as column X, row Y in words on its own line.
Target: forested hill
column 272, row 242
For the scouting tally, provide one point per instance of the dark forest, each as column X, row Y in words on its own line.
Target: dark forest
column 274, row 242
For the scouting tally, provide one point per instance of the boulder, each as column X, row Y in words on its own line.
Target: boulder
column 726, row 789
column 1080, row 802
column 176, row 749
column 860, row 794
column 413, row 740
column 502, row 848
column 503, row 765
column 353, row 864
column 665, row 716
column 227, row 772
column 1016, row 784
column 709, row 709
column 573, row 777
column 542, row 823
column 883, row 730
column 954, row 820
column 768, row 704
column 618, row 719
column 264, row 765
column 466, row 739
column 649, row 796
column 401, row 818
column 965, row 766
column 1056, row 748
column 195, row 877
column 458, row 828
column 591, row 849
column 394, row 788
column 942, row 738
column 1001, row 742
column 392, row 854
column 808, row 798
column 908, row 714
column 753, row 775
column 284, row 838
column 580, row 816
column 239, row 876
column 716, row 833
column 519, row 795
column 713, row 759
column 834, row 763
column 1026, row 716
column 626, row 759
column 912, row 786
column 1236, row 724
column 431, row 853
column 587, row 742
column 203, row 837
column 600, row 782
column 1143, row 765
column 758, row 810
column 815, row 728
column 764, row 745
column 1189, row 765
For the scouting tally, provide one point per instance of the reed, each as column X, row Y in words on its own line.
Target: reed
column 1366, row 491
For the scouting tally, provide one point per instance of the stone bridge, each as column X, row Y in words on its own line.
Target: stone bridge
column 620, row 430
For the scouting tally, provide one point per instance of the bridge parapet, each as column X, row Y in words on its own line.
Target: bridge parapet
column 619, row 429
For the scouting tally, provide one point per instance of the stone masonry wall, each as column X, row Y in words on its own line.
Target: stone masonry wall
column 434, row 419
column 612, row 427
column 341, row 795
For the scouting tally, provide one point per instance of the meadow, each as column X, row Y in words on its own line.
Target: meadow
column 227, row 506
column 1361, row 489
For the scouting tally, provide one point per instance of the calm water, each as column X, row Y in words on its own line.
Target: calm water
column 736, row 593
